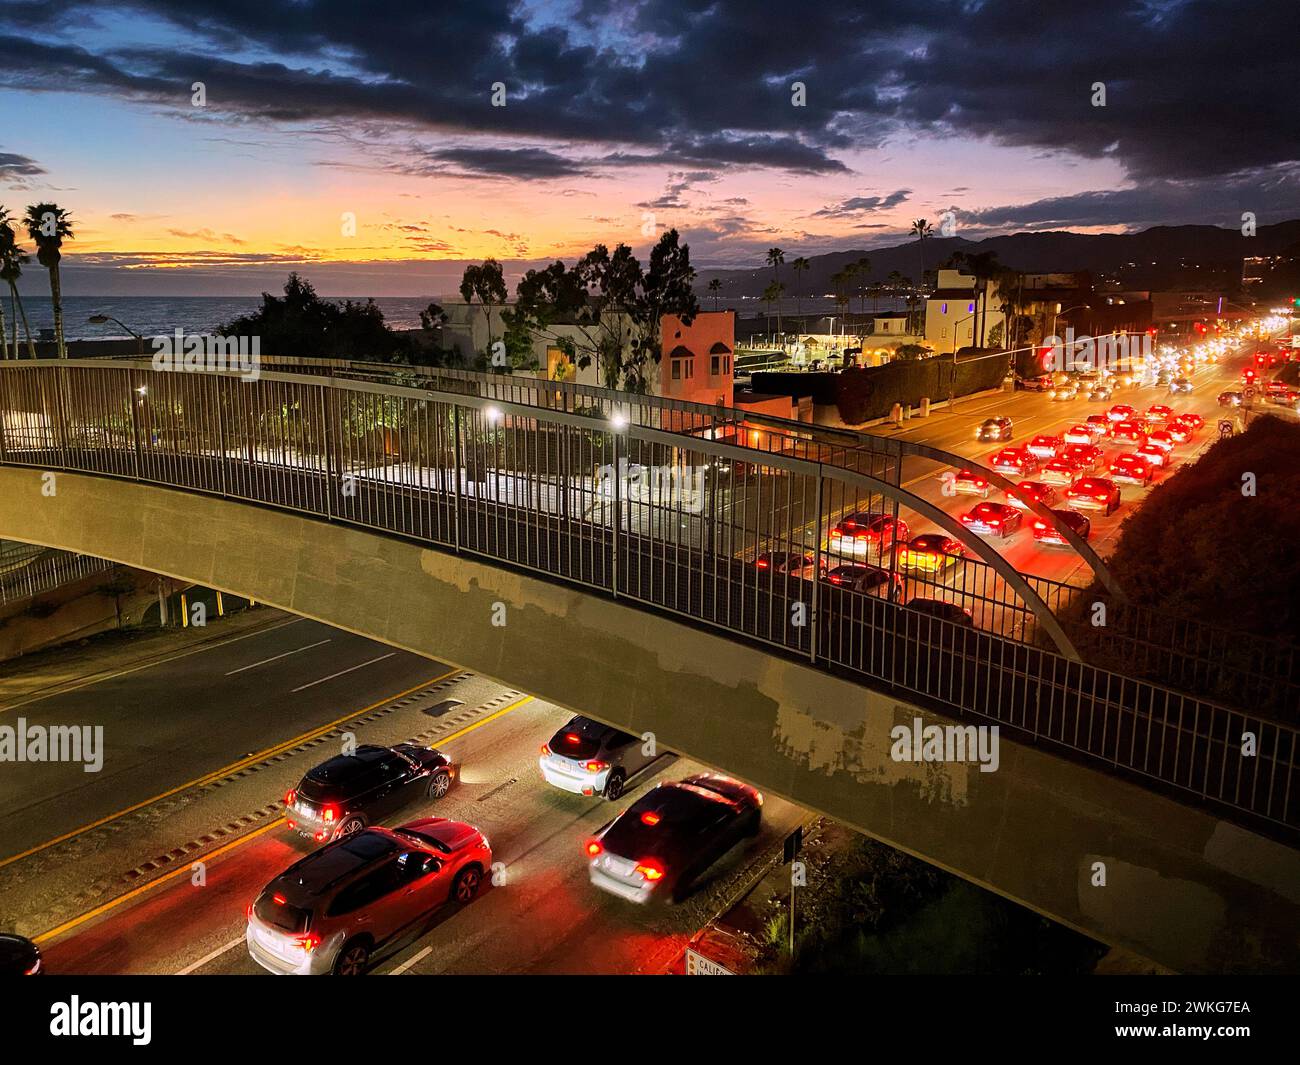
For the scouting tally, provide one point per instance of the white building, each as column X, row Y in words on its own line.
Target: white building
column 954, row 310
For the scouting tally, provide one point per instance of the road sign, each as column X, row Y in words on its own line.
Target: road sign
column 1225, row 427
column 699, row 965
column 792, row 844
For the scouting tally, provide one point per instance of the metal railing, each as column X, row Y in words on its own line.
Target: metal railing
column 41, row 570
column 468, row 467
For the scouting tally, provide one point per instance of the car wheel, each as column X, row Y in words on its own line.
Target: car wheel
column 439, row 784
column 466, row 884
column 349, row 827
column 614, row 785
column 352, row 959
column 755, row 824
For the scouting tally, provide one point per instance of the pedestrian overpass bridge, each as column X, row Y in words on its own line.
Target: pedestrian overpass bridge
column 466, row 517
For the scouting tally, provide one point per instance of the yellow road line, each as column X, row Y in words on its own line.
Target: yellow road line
column 226, row 848
column 216, row 774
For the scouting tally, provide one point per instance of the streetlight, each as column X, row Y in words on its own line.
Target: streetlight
column 1059, row 312
column 104, row 319
column 952, row 379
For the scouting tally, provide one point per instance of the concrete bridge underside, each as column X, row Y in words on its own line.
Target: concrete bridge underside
column 1181, row 887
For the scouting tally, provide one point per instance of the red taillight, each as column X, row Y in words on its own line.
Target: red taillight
column 650, row 870
column 650, row 818
column 308, row 942
column 995, row 521
column 290, row 797
column 36, row 967
column 1101, row 498
column 248, row 913
column 291, row 823
column 834, row 579
column 762, row 563
column 545, row 749
column 592, row 848
column 597, row 767
column 572, row 737
column 279, row 900
column 1040, row 526
column 329, row 813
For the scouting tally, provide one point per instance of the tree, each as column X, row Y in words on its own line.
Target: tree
column 12, row 260
column 49, row 225
column 432, row 317
column 301, row 323
column 487, row 284
column 775, row 257
column 771, row 295
column 605, row 309
column 799, row 266
column 863, row 268
column 921, row 229
column 715, row 286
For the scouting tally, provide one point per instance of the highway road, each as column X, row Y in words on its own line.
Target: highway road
column 124, row 896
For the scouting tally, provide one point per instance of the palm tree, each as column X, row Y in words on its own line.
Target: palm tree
column 864, row 270
column 775, row 257
column 799, row 266
column 49, row 225
column 715, row 286
column 12, row 258
column 921, row 229
column 771, row 295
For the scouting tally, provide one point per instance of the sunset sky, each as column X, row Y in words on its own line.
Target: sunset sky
column 679, row 109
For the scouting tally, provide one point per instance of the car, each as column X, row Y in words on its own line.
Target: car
column 670, row 837
column 1135, row 432
column 1153, row 454
column 930, row 553
column 1044, row 446
column 1035, row 490
column 792, row 563
column 941, row 610
column 1178, row 431
column 1248, row 376
column 1082, row 456
column 1180, row 385
column 1014, row 460
column 1102, row 422
column 993, row 430
column 1063, row 392
column 1132, row 469
column 330, row 911
column 1094, row 493
column 586, row 757
column 1101, row 393
column 1229, row 399
column 1283, row 399
column 19, row 956
column 1058, row 472
column 1041, row 383
column 864, row 578
column 1275, row 387
column 970, row 483
column 1050, row 532
column 1192, row 421
column 1163, row 439
column 995, row 519
column 1158, row 412
column 1120, row 412
column 344, row 794
column 1083, row 433
column 864, row 533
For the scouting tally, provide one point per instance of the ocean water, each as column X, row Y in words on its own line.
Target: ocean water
column 162, row 315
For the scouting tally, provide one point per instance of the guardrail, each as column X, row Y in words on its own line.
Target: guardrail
column 47, row 570
column 535, row 485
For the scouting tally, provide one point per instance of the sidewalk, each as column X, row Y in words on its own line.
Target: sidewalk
column 44, row 673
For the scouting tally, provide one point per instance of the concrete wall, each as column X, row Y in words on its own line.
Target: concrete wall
column 1181, row 887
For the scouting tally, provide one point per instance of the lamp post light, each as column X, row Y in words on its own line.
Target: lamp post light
column 1059, row 312
column 103, row 319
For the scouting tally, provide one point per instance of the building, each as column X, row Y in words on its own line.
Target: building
column 954, row 311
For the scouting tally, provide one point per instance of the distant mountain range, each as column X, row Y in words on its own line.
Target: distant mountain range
column 1160, row 257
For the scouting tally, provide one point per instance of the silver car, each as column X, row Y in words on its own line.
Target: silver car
column 590, row 758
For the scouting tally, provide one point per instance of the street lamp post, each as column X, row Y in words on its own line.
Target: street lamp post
column 952, row 378
column 102, row 319
column 1059, row 312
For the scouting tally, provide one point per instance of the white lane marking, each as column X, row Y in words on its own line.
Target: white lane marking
column 411, row 961
column 37, row 697
column 276, row 658
column 209, row 957
column 341, row 672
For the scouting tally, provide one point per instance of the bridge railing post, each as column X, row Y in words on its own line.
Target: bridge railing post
column 817, row 568
column 456, row 474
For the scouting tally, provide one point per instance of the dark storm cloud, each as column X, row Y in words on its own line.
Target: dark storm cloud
column 859, row 205
column 18, row 168
column 1194, row 89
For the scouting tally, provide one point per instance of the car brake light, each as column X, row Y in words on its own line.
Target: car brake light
column 592, row 847
column 597, row 767
column 278, row 899
column 650, row 818
column 571, row 737
column 545, row 749
column 995, row 521
column 308, row 942
column 328, row 813
column 1040, row 526
column 248, row 913
column 1101, row 498
column 836, row 579
column 650, row 870
column 289, row 797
